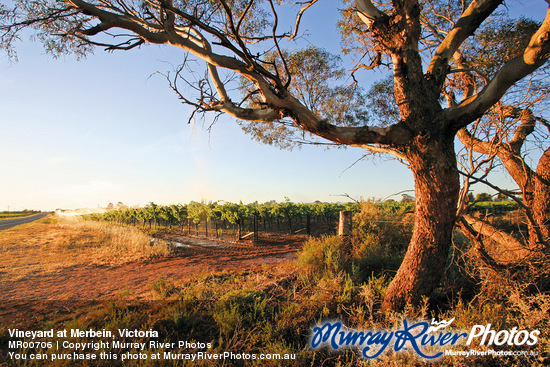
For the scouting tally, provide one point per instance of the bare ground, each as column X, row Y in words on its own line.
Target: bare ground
column 84, row 282
column 61, row 291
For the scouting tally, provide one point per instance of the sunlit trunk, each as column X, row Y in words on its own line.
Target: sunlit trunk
column 541, row 202
column 436, row 189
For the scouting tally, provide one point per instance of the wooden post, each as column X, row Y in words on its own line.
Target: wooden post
column 255, row 228
column 344, row 226
column 344, row 230
column 239, row 229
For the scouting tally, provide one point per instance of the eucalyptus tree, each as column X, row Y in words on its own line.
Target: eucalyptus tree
column 508, row 143
column 280, row 99
column 513, row 134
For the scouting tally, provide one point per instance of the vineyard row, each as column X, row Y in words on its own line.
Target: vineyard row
column 271, row 216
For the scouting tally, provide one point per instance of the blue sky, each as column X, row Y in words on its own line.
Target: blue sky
column 85, row 133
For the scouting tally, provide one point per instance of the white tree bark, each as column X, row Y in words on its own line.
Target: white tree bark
column 367, row 12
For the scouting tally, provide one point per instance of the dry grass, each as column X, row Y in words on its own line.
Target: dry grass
column 50, row 245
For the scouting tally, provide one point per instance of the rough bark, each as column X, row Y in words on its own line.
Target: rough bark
column 541, row 201
column 433, row 163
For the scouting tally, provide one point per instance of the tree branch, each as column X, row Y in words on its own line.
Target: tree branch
column 533, row 57
column 506, row 242
column 509, row 153
column 281, row 56
column 277, row 103
column 476, row 144
column 115, row 20
column 527, row 210
column 379, row 149
column 526, row 128
column 466, row 25
column 479, row 246
column 367, row 12
column 225, row 104
column 498, row 189
column 299, row 18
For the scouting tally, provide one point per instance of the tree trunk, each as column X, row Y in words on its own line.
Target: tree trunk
column 541, row 202
column 255, row 228
column 289, row 219
column 437, row 187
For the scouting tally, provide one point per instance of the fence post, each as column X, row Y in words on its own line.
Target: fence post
column 255, row 228
column 344, row 226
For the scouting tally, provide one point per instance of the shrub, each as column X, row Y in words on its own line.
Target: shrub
column 162, row 288
column 390, row 225
column 324, row 257
column 377, row 245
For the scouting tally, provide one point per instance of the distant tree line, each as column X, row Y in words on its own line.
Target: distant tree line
column 15, row 214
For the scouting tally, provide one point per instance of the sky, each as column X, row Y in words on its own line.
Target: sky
column 107, row 129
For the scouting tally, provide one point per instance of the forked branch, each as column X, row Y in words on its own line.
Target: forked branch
column 533, row 57
column 466, row 25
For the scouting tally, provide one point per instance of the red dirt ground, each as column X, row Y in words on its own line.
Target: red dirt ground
column 29, row 300
column 103, row 283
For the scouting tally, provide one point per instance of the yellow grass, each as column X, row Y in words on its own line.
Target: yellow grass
column 50, row 245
